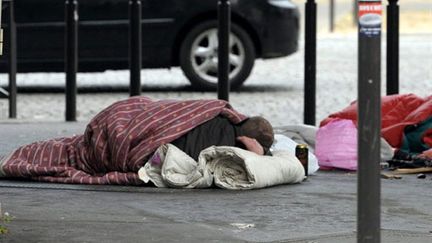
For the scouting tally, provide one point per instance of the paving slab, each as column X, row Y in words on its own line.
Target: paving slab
column 322, row 209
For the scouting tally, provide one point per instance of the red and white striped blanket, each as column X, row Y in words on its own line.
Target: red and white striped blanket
column 116, row 143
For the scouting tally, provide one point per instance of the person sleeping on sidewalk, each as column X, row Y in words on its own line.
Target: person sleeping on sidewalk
column 120, row 139
column 254, row 134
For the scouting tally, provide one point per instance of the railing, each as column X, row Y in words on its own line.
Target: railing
column 71, row 53
column 135, row 51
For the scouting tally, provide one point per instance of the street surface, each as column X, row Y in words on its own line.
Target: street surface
column 274, row 90
column 321, row 209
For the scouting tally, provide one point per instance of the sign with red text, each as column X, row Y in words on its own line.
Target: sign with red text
column 370, row 17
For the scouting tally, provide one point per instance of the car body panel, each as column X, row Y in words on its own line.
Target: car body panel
column 103, row 31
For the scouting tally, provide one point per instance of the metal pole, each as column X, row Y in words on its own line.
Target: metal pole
column 135, row 48
column 224, row 29
column 369, row 121
column 71, row 64
column 1, row 30
column 310, row 63
column 12, row 62
column 392, row 47
column 355, row 11
column 332, row 14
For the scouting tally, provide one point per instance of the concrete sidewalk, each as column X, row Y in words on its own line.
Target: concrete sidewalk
column 322, row 209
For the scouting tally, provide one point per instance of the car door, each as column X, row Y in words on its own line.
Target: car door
column 39, row 30
column 103, row 33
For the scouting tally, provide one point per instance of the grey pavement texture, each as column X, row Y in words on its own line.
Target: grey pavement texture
column 322, row 209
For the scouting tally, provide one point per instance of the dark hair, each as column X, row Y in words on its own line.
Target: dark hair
column 259, row 128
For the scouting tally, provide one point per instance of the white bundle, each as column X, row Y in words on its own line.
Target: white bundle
column 226, row 167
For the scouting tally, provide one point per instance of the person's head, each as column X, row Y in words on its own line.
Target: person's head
column 259, row 128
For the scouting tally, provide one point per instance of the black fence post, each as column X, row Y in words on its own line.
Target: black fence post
column 135, row 48
column 354, row 12
column 71, row 53
column 224, row 29
column 369, row 121
column 392, row 47
column 310, row 63
column 1, row 29
column 332, row 14
column 12, row 62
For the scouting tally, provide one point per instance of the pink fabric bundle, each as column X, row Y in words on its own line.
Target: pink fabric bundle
column 336, row 145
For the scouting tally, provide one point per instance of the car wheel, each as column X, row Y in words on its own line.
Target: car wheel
column 199, row 56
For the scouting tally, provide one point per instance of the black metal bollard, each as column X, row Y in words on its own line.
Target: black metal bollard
column 224, row 29
column 310, row 63
column 135, row 48
column 369, row 121
column 1, row 29
column 12, row 61
column 332, row 14
column 392, row 47
column 354, row 12
column 71, row 53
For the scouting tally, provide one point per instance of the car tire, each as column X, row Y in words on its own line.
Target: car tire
column 198, row 56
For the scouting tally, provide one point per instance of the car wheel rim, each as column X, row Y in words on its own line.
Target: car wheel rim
column 204, row 55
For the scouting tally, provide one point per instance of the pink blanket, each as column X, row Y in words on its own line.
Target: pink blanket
column 116, row 143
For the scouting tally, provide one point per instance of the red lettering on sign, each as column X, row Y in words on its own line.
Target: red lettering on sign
column 367, row 7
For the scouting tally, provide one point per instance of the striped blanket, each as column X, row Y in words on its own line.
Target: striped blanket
column 116, row 143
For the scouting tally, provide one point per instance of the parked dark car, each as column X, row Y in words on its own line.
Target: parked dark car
column 175, row 33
